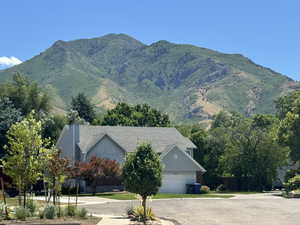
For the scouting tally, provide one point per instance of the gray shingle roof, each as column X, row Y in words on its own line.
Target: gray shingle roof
column 130, row 137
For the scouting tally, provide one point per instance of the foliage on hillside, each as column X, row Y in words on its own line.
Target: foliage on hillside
column 188, row 82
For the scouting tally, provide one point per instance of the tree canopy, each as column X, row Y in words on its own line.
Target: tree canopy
column 8, row 116
column 27, row 154
column 138, row 115
column 142, row 172
column 25, row 95
column 84, row 107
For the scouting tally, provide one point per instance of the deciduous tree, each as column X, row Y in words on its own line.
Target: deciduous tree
column 26, row 153
column 138, row 115
column 142, row 173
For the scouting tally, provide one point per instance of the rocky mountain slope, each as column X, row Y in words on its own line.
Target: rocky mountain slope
column 188, row 82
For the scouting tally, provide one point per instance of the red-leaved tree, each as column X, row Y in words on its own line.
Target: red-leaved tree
column 98, row 171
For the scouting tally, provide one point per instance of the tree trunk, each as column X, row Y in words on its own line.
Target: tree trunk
column 45, row 189
column 4, row 197
column 144, row 206
column 24, row 196
column 77, row 190
column 53, row 190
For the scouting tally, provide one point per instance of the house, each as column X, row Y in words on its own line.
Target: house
column 81, row 142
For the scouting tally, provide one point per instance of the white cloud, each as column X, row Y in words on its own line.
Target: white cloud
column 9, row 61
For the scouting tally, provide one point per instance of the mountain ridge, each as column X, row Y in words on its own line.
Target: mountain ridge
column 190, row 83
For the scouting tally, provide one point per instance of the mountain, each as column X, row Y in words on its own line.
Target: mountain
column 190, row 83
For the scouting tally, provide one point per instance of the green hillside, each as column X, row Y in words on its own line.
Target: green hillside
column 188, row 82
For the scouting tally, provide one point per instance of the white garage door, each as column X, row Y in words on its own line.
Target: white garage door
column 176, row 182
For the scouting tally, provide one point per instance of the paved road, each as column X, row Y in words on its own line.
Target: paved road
column 242, row 210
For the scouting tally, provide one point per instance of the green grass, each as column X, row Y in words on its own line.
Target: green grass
column 131, row 196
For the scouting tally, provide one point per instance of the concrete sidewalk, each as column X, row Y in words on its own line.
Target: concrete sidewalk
column 121, row 220
column 81, row 200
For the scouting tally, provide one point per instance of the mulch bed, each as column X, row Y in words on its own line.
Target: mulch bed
column 57, row 221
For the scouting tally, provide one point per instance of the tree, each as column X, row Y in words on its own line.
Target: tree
column 210, row 147
column 285, row 103
column 84, row 107
column 253, row 155
column 57, row 170
column 26, row 153
column 25, row 95
column 52, row 126
column 138, row 115
column 99, row 171
column 8, row 116
column 289, row 128
column 225, row 119
column 142, row 173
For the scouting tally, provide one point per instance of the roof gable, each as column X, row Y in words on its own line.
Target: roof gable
column 174, row 159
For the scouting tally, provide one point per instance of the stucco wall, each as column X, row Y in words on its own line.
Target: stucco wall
column 66, row 145
column 106, row 148
column 176, row 160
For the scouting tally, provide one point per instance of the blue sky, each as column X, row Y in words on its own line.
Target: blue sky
column 267, row 31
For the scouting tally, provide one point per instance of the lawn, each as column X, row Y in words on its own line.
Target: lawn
column 131, row 196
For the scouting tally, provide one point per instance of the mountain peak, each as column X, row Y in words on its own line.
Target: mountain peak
column 188, row 82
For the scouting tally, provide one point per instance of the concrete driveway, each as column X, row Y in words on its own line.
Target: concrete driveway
column 258, row 209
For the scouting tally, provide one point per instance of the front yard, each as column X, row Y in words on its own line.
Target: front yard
column 131, row 196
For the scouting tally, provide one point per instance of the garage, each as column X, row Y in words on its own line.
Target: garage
column 175, row 182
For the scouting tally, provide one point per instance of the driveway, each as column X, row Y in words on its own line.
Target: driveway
column 258, row 209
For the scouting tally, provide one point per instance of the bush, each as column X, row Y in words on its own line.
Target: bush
column 70, row 210
column 31, row 206
column 50, row 212
column 293, row 183
column 291, row 173
column 82, row 213
column 204, row 189
column 138, row 214
column 221, row 188
column 21, row 213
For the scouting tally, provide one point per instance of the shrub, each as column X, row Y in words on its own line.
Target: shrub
column 49, row 212
column 70, row 210
column 204, row 189
column 21, row 213
column 291, row 173
column 293, row 183
column 31, row 206
column 82, row 213
column 138, row 214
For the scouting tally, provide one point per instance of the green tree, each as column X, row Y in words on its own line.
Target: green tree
column 210, row 147
column 286, row 103
column 289, row 129
column 142, row 173
column 138, row 115
column 26, row 156
column 8, row 116
column 84, row 107
column 253, row 155
column 25, row 95
column 52, row 126
column 225, row 119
